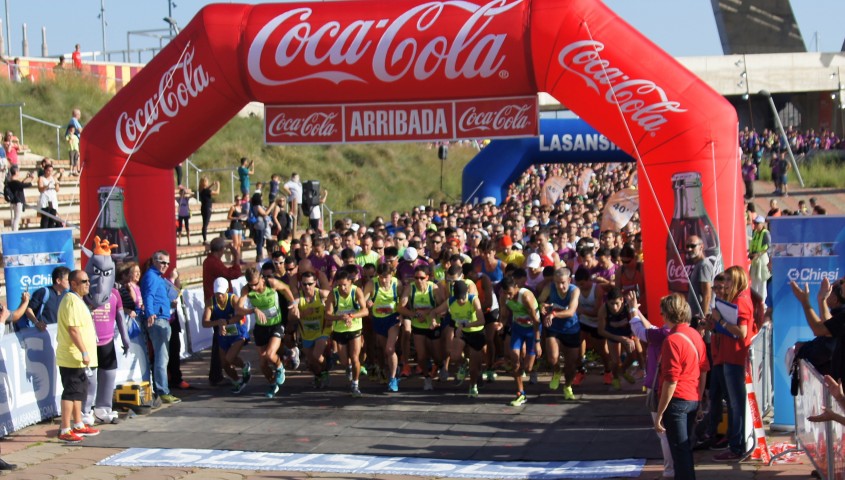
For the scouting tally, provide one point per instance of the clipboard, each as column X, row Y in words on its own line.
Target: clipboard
column 730, row 313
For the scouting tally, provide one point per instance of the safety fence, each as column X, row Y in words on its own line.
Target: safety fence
column 761, row 355
column 822, row 441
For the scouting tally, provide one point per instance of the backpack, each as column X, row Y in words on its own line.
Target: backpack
column 251, row 219
column 8, row 195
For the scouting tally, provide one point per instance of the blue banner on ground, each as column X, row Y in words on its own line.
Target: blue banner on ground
column 30, row 257
column 806, row 250
column 372, row 465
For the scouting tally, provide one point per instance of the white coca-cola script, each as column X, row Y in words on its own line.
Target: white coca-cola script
column 509, row 117
column 180, row 84
column 643, row 101
column 677, row 271
column 317, row 124
column 331, row 50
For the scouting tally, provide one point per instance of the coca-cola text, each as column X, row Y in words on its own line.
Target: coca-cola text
column 508, row 117
column 317, row 124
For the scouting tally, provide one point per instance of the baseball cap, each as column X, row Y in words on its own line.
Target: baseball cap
column 410, row 254
column 221, row 285
column 759, row 219
column 506, row 241
column 533, row 261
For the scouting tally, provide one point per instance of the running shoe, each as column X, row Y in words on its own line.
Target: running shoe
column 246, row 373
column 356, row 393
column 427, row 385
column 720, row 444
column 170, row 399
column 393, row 385
column 183, row 385
column 629, row 378
column 238, row 387
column 534, row 378
column 555, row 382
column 568, row 394
column 406, row 371
column 294, row 358
column 334, row 359
column 520, row 400
column 608, row 378
column 433, row 371
column 473, row 391
column 443, row 374
column 490, row 376
column 70, row 437
column 615, row 384
column 349, row 373
column 363, row 370
column 324, row 379
column 85, row 431
column 727, row 456
column 462, row 373
column 579, row 377
column 274, row 389
column 280, row 375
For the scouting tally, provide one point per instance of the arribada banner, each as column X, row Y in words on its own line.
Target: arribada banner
column 401, row 122
column 806, row 250
column 349, row 53
column 30, row 257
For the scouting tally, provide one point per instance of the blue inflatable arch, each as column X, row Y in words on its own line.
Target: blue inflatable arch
column 487, row 176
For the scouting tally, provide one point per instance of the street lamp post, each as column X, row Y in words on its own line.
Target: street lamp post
column 103, row 25
column 768, row 95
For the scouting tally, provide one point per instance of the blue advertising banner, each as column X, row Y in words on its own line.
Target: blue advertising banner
column 30, row 257
column 806, row 250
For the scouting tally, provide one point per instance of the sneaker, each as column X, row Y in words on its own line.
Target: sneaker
column 433, row 371
column 274, row 389
column 324, row 379
column 183, row 385
column 406, row 371
column 473, row 391
column 579, row 377
column 363, row 370
column 727, row 456
column 490, row 376
column 356, row 393
column 568, row 394
column 534, row 378
column 462, row 373
column 629, row 378
column 427, row 385
column 393, row 385
column 88, row 418
column 114, row 419
column 104, row 415
column 239, row 387
column 246, row 373
column 70, row 437
column 170, row 399
column 616, row 384
column 554, row 384
column 720, row 444
column 704, row 444
column 280, row 375
column 294, row 358
column 443, row 375
column 334, row 359
column 85, row 431
column 520, row 400
column 349, row 373
column 608, row 378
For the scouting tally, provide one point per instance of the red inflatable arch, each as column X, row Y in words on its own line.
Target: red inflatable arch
column 345, row 52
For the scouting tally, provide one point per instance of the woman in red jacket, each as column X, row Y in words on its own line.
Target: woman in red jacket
column 729, row 346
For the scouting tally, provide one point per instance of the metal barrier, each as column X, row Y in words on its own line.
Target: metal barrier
column 43, row 122
column 197, row 170
column 332, row 213
column 762, row 368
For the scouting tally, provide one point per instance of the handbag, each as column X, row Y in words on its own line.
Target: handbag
column 133, row 330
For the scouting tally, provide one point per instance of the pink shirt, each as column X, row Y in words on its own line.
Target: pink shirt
column 104, row 318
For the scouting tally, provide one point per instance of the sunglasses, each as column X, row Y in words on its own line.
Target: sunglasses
column 691, row 246
column 400, row 239
column 163, row 263
column 437, row 242
column 83, row 281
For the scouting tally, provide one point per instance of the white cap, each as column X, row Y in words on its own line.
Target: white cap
column 531, row 223
column 221, row 285
column 533, row 261
column 410, row 254
column 355, row 227
column 517, row 246
column 536, row 203
column 759, row 219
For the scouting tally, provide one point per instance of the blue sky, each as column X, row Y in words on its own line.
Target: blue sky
column 681, row 27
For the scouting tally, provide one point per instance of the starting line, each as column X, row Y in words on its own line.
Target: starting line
column 368, row 464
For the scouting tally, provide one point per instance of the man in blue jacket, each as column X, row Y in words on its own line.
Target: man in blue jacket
column 156, row 292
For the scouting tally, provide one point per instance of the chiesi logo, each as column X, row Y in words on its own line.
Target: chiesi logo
column 27, row 281
column 506, row 118
column 469, row 53
column 180, row 84
column 642, row 100
column 811, row 274
column 317, row 124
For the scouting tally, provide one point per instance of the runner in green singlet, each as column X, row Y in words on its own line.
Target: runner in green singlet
column 466, row 312
column 314, row 328
column 418, row 300
column 382, row 297
column 345, row 308
column 447, row 336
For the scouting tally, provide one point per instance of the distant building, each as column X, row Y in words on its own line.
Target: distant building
column 757, row 26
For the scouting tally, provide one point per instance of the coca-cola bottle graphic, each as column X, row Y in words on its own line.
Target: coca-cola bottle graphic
column 112, row 224
column 690, row 218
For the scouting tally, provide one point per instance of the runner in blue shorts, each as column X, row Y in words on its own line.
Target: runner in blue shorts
column 382, row 298
column 559, row 302
column 520, row 306
column 233, row 332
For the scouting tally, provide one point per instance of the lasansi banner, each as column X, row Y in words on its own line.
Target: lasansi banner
column 401, row 122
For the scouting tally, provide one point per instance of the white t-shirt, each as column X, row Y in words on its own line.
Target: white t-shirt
column 295, row 191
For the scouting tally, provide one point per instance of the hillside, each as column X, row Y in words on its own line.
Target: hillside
column 377, row 178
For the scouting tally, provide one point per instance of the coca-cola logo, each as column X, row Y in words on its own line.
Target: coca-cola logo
column 677, row 272
column 509, row 117
column 179, row 84
column 643, row 101
column 317, row 124
column 329, row 50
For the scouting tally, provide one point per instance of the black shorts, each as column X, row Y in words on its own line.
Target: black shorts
column 314, row 223
column 106, row 356
column 447, row 321
column 263, row 333
column 475, row 340
column 343, row 338
column 491, row 317
column 568, row 340
column 593, row 331
column 432, row 334
column 74, row 383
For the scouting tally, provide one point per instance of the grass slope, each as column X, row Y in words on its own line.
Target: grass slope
column 377, row 178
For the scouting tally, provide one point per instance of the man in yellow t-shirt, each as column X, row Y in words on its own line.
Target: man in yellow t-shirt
column 76, row 355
